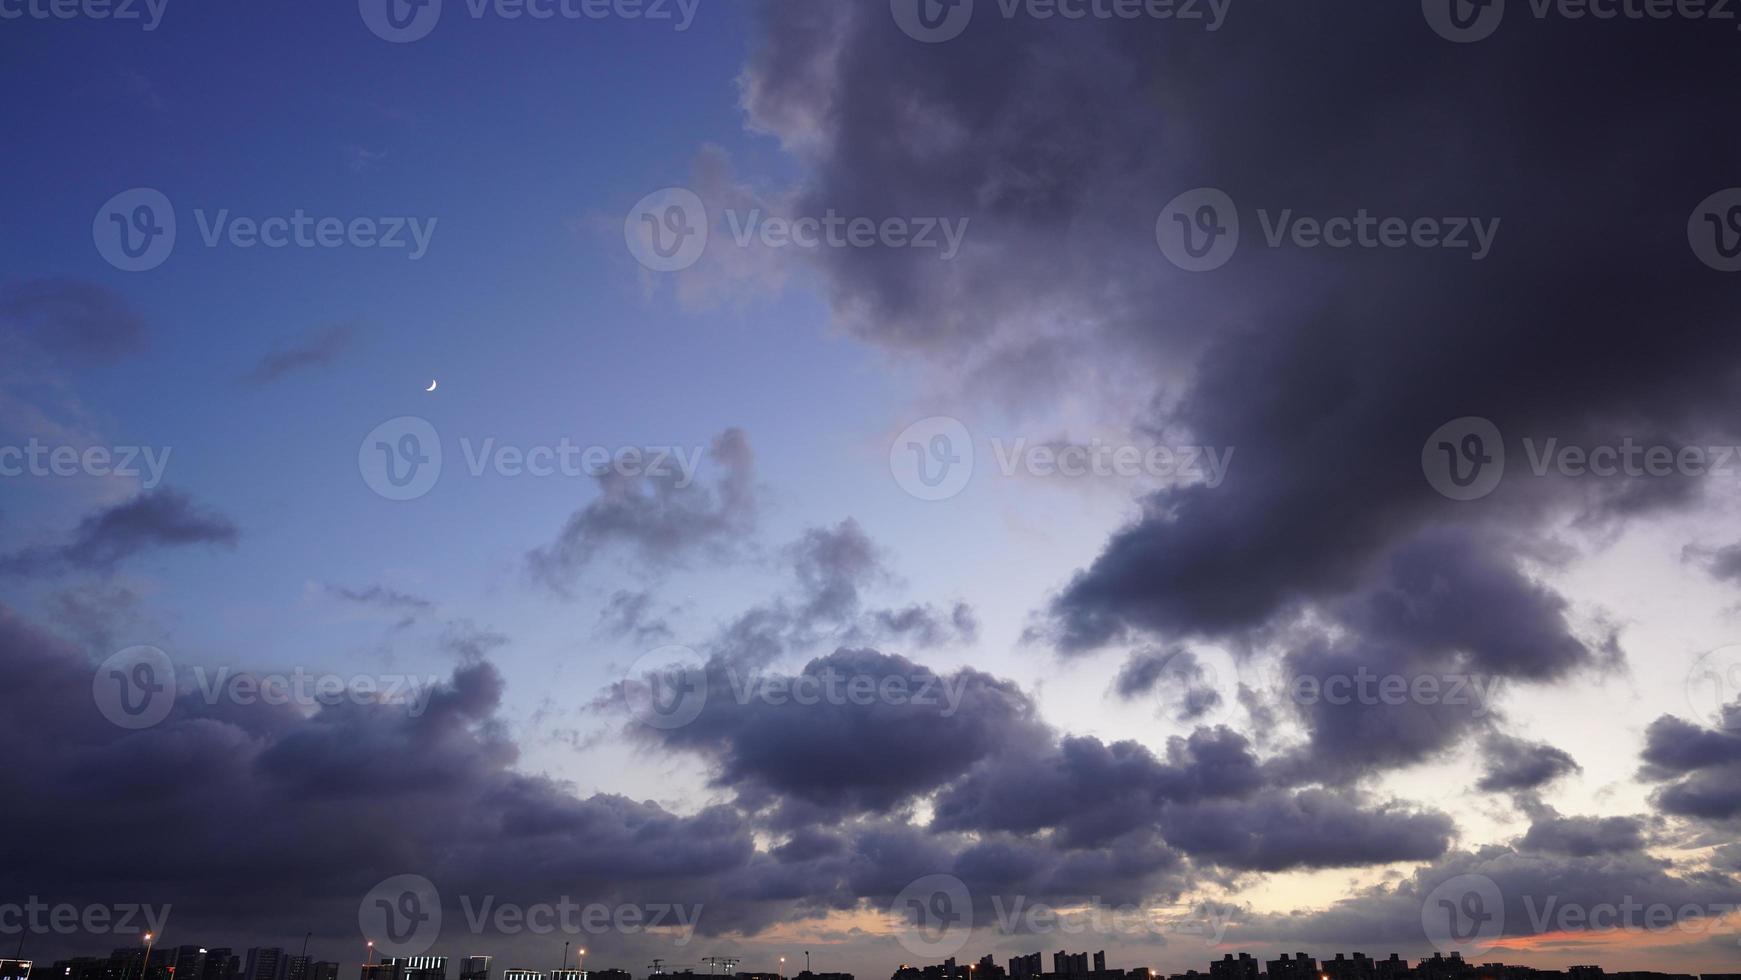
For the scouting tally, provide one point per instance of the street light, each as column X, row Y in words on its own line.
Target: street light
column 580, row 962
column 782, row 968
column 146, row 962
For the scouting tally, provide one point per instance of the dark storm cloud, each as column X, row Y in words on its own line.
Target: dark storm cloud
column 1208, row 799
column 1452, row 625
column 1327, row 369
column 316, row 350
column 655, row 519
column 76, row 320
column 1091, row 792
column 154, row 519
column 1313, row 828
column 1701, row 767
column 1551, row 833
column 850, row 753
column 1512, row 764
column 253, row 808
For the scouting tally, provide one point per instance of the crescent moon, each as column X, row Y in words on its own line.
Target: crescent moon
column 432, row 385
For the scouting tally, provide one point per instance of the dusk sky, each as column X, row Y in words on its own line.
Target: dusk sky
column 892, row 479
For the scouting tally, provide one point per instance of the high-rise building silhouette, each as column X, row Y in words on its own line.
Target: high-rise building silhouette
column 264, row 963
column 1301, row 967
column 221, row 964
column 1228, row 968
column 188, row 962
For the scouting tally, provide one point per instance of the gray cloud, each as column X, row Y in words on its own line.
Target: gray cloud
column 73, row 319
column 154, row 519
column 1700, row 767
column 316, row 350
column 1513, row 765
column 654, row 519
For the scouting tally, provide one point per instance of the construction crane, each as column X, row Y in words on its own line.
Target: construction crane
column 722, row 964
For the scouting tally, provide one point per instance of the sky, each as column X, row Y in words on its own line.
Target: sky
column 888, row 480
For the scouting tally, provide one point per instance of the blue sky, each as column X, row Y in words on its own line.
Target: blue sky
column 529, row 144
